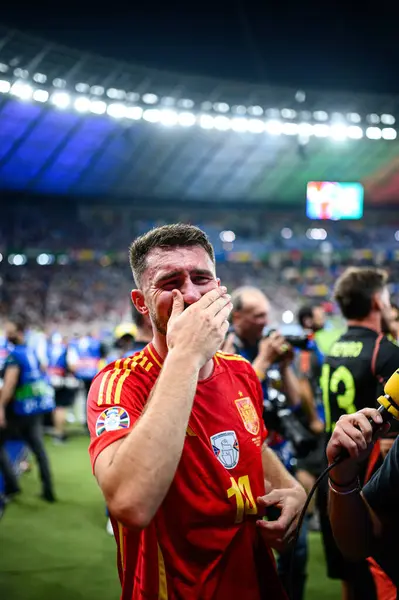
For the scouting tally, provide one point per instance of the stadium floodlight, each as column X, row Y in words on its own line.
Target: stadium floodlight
column 287, row 317
column 150, row 98
column 321, row 130
column 186, row 103
column 320, row 115
column 152, row 115
column 388, row 133
column 374, row 133
column 40, row 95
column 305, row 129
column 61, row 99
column 82, row 88
column 39, row 78
column 206, row 121
column 97, row 90
column 387, row 119
column 374, row 119
column 227, row 236
column 239, row 124
column 221, row 107
column 168, row 101
column 186, row 119
column 256, row 126
column 3, row 68
column 274, row 127
column 5, row 86
column 168, row 117
column 355, row 132
column 288, row 113
column 115, row 94
column 116, row 110
column 134, row 112
column 397, row 236
column 221, row 123
column 239, row 109
column 82, row 104
column 1, row 257
column 286, row 233
column 22, row 90
column 255, row 111
column 338, row 132
column 98, row 107
column 290, row 128
column 353, row 117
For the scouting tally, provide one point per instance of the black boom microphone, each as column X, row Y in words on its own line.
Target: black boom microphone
column 388, row 409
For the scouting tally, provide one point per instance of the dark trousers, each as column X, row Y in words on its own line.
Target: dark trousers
column 6, row 469
column 29, row 429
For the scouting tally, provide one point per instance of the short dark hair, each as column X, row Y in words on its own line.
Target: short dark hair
column 355, row 288
column 305, row 312
column 178, row 235
column 20, row 322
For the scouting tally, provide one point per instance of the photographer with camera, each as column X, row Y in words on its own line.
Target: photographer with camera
column 271, row 357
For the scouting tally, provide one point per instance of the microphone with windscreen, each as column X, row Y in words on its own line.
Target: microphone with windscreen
column 388, row 409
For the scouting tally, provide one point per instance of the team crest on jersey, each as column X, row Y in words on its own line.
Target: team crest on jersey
column 248, row 414
column 112, row 419
column 226, row 448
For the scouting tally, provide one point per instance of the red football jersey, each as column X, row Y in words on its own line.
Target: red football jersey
column 203, row 543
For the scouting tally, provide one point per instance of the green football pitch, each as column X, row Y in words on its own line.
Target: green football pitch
column 62, row 551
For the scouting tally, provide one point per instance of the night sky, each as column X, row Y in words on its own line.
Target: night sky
column 328, row 44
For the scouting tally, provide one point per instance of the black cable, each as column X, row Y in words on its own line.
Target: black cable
column 301, row 519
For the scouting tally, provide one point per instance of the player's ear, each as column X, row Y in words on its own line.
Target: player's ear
column 137, row 297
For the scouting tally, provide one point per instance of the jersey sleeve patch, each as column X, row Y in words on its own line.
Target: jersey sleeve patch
column 112, row 419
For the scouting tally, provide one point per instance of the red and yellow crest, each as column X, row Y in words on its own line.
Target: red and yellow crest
column 248, row 414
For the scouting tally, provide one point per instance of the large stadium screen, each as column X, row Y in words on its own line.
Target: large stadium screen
column 334, row 201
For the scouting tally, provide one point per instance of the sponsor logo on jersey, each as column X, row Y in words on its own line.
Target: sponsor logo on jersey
column 112, row 419
column 226, row 449
column 248, row 414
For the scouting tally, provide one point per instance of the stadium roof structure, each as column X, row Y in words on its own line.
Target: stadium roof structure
column 78, row 124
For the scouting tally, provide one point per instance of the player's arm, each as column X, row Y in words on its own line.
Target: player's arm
column 135, row 473
column 356, row 526
column 285, row 493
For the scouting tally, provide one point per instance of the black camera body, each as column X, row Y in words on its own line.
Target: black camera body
column 280, row 417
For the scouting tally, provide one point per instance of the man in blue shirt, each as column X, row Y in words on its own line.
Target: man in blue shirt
column 25, row 396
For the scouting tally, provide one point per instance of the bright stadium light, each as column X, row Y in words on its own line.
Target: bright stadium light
column 256, row 126
column 206, row 121
column 355, row 132
column 374, row 133
column 290, row 128
column 5, row 86
column 397, row 236
column 221, row 123
column 227, row 236
column 186, row 119
column 116, row 110
column 98, row 107
column 134, row 112
column 288, row 317
column 43, row 259
column 40, row 95
column 168, row 117
column 170, row 111
column 286, row 233
column 239, row 124
column 321, row 130
column 22, row 90
column 82, row 104
column 274, row 127
column 388, row 133
column 152, row 115
column 1, row 257
column 61, row 99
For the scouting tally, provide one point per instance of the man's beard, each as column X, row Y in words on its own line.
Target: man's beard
column 161, row 325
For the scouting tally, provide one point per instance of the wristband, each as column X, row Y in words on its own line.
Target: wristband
column 352, row 491
column 343, row 485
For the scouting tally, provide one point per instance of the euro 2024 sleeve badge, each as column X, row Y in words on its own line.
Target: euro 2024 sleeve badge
column 112, row 419
column 226, row 449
